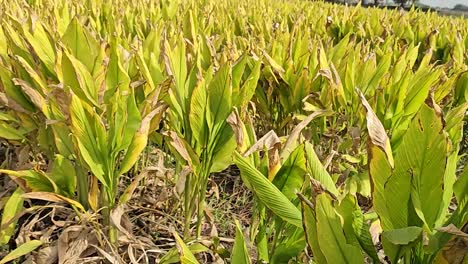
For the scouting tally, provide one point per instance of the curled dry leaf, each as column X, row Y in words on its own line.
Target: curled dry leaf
column 128, row 193
column 106, row 255
column 375, row 231
column 63, row 100
column 270, row 141
column 6, row 101
column 452, row 229
column 47, row 255
column 430, row 101
column 116, row 219
column 35, row 96
column 73, row 242
column 272, row 144
column 236, row 124
column 180, row 185
column 377, row 133
column 52, row 197
column 291, row 143
column 179, row 145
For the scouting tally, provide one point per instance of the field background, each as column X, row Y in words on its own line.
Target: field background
column 231, row 132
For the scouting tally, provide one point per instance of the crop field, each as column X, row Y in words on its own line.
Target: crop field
column 231, row 131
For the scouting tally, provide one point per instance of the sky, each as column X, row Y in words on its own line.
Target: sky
column 444, row 3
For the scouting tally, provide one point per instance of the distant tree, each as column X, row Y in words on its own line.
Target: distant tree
column 461, row 7
column 404, row 2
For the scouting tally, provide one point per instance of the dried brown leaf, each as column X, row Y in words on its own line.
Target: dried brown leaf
column 294, row 135
column 377, row 134
column 116, row 219
column 236, row 124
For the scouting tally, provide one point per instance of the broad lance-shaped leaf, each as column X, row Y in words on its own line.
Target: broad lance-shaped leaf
column 397, row 241
column 249, row 87
column 172, row 255
column 63, row 173
column 85, row 131
column 267, row 192
column 219, row 98
column 186, row 256
column 32, row 180
column 41, row 44
column 420, row 159
column 81, row 44
column 13, row 206
column 13, row 92
column 355, row 229
column 10, row 133
column 223, row 148
column 117, row 79
column 332, row 240
column 34, row 96
column 237, row 72
column 240, row 253
column 126, row 121
column 317, row 171
column 139, row 142
column 418, row 175
column 22, row 250
column 197, row 115
column 290, row 176
column 177, row 67
column 310, row 227
column 454, row 128
column 77, row 77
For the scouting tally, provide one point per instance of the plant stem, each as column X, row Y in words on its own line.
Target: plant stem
column 82, row 182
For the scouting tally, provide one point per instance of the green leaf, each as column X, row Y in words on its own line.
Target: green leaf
column 41, row 44
column 10, row 133
column 248, row 88
column 22, row 250
column 421, row 158
column 332, row 240
column 77, row 77
column 220, row 97
column 355, row 218
column 310, row 226
column 197, row 115
column 173, row 256
column 63, row 173
column 317, row 171
column 290, row 176
column 461, row 188
column 397, row 241
column 14, row 92
column 454, row 128
column 186, row 256
column 139, row 142
column 223, row 149
column 240, row 253
column 36, row 181
column 461, row 88
column 81, row 44
column 12, row 207
column 286, row 251
column 178, row 67
column 267, row 192
column 117, row 80
column 85, row 130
